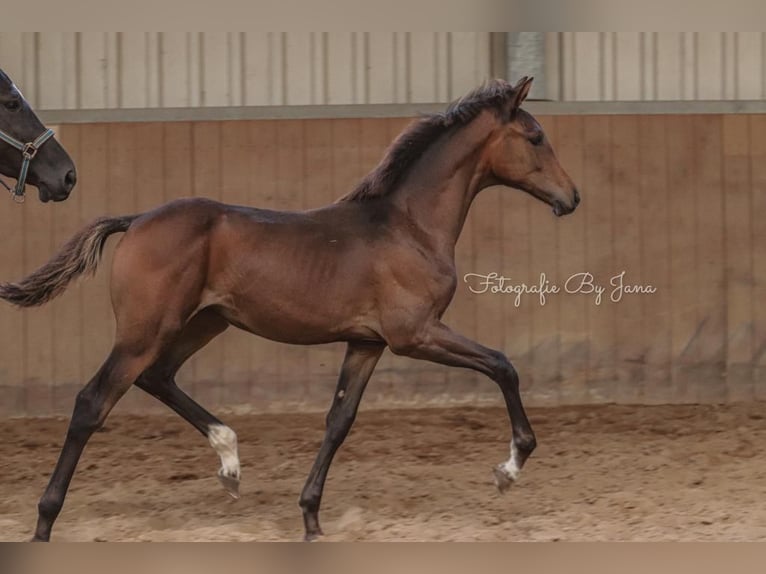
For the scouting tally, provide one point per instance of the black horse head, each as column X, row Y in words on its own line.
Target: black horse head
column 28, row 151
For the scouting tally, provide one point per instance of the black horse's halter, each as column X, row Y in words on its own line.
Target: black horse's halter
column 28, row 151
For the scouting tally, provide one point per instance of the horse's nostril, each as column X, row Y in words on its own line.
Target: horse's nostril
column 70, row 179
column 576, row 197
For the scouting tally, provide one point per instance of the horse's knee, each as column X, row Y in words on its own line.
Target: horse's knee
column 87, row 417
column 338, row 423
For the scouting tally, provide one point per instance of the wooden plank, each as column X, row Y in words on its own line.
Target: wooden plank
column 148, row 184
column 739, row 279
column 345, row 172
column 573, row 329
column 758, row 219
column 461, row 316
column 487, row 258
column 600, row 257
column 165, row 157
column 121, row 200
column 67, row 324
column 235, row 175
column 289, row 195
column 12, row 322
column 374, row 139
column 122, row 168
column 177, row 164
column 655, row 226
column 710, row 385
column 150, row 166
column 289, row 149
column 388, row 375
column 177, row 160
column 93, row 181
column 687, row 217
column 630, row 331
column 206, row 182
column 264, row 355
column 517, row 268
column 684, row 306
column 545, row 341
column 38, row 343
column 323, row 362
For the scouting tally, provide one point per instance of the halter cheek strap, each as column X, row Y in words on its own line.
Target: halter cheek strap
column 28, row 151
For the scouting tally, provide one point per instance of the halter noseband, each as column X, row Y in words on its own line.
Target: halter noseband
column 29, row 151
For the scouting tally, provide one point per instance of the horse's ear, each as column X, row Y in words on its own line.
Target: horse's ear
column 520, row 92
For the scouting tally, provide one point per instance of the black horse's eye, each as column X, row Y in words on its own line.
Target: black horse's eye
column 536, row 139
column 13, row 105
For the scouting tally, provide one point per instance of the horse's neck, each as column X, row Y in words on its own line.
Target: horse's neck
column 438, row 193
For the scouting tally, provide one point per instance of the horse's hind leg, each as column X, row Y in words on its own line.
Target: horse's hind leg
column 159, row 381
column 92, row 406
column 357, row 368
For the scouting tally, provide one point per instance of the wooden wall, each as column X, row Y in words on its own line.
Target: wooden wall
column 678, row 202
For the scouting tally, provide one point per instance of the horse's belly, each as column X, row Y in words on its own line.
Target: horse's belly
column 303, row 315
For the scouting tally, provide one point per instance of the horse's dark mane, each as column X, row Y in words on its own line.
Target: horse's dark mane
column 418, row 136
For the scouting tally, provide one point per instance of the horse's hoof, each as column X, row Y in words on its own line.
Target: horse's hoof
column 502, row 480
column 231, row 484
column 37, row 539
column 313, row 536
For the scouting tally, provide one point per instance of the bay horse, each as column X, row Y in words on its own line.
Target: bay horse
column 375, row 269
column 28, row 150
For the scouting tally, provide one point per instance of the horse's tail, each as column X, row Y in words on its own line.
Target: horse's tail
column 80, row 255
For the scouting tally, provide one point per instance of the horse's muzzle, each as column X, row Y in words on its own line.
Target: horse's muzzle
column 59, row 192
column 560, row 208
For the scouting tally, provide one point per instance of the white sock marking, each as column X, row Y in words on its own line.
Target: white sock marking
column 511, row 467
column 224, row 441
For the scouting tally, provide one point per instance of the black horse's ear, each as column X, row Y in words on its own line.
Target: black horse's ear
column 520, row 92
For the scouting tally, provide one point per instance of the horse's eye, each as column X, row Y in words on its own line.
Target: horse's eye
column 536, row 139
column 13, row 105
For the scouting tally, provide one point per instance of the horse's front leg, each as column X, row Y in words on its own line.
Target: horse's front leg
column 437, row 343
column 358, row 366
